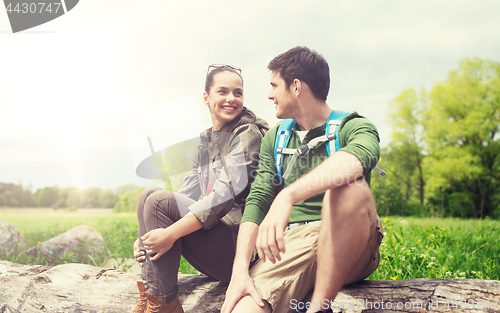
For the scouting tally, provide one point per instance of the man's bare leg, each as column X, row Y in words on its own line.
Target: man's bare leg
column 247, row 305
column 346, row 217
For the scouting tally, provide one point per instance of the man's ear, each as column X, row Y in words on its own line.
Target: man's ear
column 296, row 87
column 205, row 97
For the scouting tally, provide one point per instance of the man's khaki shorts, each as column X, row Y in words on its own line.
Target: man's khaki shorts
column 293, row 277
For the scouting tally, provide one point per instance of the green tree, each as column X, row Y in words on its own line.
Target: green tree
column 128, row 198
column 73, row 199
column 402, row 191
column 90, row 197
column 462, row 125
column 408, row 141
column 27, row 199
column 108, row 199
column 124, row 188
column 16, row 195
column 68, row 197
column 47, row 197
column 387, row 191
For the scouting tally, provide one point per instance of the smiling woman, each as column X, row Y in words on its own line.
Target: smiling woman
column 223, row 96
column 201, row 221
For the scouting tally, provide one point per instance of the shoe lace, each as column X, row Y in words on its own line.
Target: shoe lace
column 142, row 302
column 153, row 308
column 143, row 297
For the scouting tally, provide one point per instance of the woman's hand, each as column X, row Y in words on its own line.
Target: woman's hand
column 157, row 242
column 139, row 255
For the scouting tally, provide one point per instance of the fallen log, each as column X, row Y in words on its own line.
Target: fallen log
column 420, row 295
column 84, row 288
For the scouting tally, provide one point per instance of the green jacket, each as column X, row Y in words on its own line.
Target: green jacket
column 357, row 135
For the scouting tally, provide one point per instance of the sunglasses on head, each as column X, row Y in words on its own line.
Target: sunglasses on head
column 215, row 66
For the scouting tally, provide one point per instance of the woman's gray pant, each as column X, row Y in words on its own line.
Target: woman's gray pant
column 209, row 251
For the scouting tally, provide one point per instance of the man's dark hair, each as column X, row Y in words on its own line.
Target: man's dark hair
column 305, row 65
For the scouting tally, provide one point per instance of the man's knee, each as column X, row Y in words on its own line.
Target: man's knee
column 352, row 199
column 248, row 305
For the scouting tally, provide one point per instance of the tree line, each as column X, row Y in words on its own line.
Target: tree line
column 122, row 199
column 444, row 157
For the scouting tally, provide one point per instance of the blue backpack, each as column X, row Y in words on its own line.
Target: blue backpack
column 330, row 136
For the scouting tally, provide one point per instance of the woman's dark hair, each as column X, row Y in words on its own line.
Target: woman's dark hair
column 227, row 129
column 305, row 65
column 209, row 81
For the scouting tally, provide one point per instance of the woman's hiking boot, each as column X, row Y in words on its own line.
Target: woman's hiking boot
column 140, row 307
column 158, row 305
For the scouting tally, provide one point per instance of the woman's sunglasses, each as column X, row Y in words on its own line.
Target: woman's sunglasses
column 215, row 66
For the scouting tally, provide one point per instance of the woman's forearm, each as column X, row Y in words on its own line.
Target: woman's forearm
column 185, row 226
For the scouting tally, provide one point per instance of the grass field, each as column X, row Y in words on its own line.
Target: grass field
column 412, row 247
column 439, row 248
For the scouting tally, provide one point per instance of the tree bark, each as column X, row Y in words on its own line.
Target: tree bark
column 420, row 295
column 84, row 288
column 420, row 179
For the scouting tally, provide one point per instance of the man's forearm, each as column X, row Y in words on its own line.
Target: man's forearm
column 247, row 236
column 339, row 169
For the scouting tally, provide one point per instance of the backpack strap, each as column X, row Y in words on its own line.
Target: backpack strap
column 331, row 136
column 332, row 130
column 282, row 139
column 303, row 150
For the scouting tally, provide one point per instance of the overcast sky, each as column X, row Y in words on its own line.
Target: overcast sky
column 71, row 89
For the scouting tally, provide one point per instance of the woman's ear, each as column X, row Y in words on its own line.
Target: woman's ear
column 205, row 97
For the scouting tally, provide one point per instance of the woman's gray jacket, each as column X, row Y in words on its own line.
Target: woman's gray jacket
column 240, row 156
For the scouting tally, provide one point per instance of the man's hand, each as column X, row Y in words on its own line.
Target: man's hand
column 237, row 289
column 158, row 241
column 270, row 242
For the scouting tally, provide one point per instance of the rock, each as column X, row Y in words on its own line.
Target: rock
column 85, row 289
column 11, row 241
column 82, row 240
column 127, row 265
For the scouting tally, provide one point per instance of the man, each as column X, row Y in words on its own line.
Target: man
column 329, row 198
